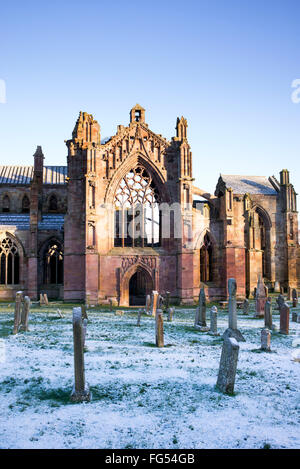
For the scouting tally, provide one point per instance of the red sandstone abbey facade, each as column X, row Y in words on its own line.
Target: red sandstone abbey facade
column 124, row 217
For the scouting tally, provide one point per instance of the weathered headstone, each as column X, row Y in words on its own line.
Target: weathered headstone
column 268, row 315
column 232, row 330
column 276, row 287
column 81, row 390
column 83, row 312
column 280, row 301
column 110, row 304
column 246, row 306
column 228, row 365
column 46, row 299
column 17, row 316
column 200, row 316
column 159, row 328
column 294, row 316
column 25, row 314
column 295, row 297
column 42, row 299
column 213, row 321
column 266, row 340
column 138, row 323
column 260, row 298
column 154, row 300
column 284, row 319
column 148, row 304
column 170, row 314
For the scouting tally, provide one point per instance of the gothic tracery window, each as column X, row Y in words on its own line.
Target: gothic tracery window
column 9, row 262
column 206, row 260
column 53, row 264
column 137, row 217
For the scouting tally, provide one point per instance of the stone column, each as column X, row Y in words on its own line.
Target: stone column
column 268, row 315
column 276, row 287
column 232, row 330
column 167, row 301
column 214, row 321
column 284, row 319
column 159, row 328
column 80, row 390
column 260, row 297
column 266, row 340
column 154, row 300
column 228, row 365
column 25, row 314
column 17, row 316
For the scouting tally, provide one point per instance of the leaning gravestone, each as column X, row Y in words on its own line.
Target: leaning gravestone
column 25, row 314
column 284, row 319
column 159, row 328
column 213, row 321
column 228, row 365
column 295, row 297
column 268, row 315
column 81, row 390
column 17, row 316
column 266, row 340
column 232, row 330
column 200, row 316
column 260, row 298
column 246, row 306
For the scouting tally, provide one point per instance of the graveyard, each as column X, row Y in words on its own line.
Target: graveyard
column 144, row 393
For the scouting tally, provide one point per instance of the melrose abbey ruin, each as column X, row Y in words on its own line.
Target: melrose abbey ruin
column 124, row 217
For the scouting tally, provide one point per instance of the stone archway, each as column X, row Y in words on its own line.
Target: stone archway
column 136, row 284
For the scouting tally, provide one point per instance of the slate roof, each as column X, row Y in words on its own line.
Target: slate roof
column 250, row 184
column 21, row 221
column 24, row 174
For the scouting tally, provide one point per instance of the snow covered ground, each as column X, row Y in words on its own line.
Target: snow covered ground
column 145, row 397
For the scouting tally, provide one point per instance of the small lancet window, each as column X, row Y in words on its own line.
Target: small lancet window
column 53, row 203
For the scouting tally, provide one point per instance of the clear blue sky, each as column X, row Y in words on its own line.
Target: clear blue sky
column 226, row 65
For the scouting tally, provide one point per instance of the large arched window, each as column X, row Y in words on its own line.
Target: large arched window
column 206, row 260
column 9, row 262
column 137, row 217
column 53, row 263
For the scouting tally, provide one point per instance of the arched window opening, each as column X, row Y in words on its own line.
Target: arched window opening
column 206, row 260
column 137, row 216
column 262, row 244
column 25, row 204
column 9, row 262
column 53, row 203
column 6, row 204
column 54, row 264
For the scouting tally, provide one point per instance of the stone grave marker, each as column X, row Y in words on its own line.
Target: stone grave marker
column 228, row 365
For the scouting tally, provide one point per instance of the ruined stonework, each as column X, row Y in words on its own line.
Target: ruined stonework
column 63, row 228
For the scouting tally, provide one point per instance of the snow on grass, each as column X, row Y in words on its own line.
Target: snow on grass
column 145, row 397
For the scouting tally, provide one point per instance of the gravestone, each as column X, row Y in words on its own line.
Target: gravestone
column 295, row 297
column 46, row 299
column 200, row 316
column 268, row 315
column 266, row 340
column 159, row 328
column 81, row 390
column 232, row 330
column 260, row 298
column 280, row 301
column 154, row 300
column 294, row 316
column 148, row 304
column 228, row 365
column 246, row 306
column 276, row 287
column 298, row 318
column 25, row 314
column 170, row 314
column 213, row 321
column 42, row 300
column 138, row 323
column 83, row 312
column 17, row 315
column 110, row 304
column 284, row 319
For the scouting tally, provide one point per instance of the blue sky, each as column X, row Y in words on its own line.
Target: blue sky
column 227, row 66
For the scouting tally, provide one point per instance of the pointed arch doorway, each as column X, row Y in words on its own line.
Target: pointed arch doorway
column 140, row 285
